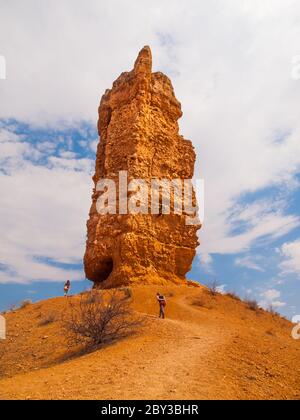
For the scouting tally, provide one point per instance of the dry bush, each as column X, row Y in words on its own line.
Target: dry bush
column 89, row 297
column 252, row 305
column 199, row 301
column 100, row 318
column 234, row 295
column 213, row 287
column 48, row 319
column 272, row 310
column 202, row 301
column 25, row 303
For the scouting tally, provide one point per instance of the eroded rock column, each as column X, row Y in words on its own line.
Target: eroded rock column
column 139, row 134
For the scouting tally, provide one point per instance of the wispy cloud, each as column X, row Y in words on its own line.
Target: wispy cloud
column 290, row 253
column 251, row 262
column 261, row 221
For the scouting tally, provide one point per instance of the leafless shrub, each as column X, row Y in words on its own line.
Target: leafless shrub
column 25, row 303
column 252, row 305
column 89, row 297
column 213, row 287
column 271, row 309
column 100, row 318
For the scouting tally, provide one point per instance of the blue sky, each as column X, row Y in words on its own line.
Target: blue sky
column 231, row 64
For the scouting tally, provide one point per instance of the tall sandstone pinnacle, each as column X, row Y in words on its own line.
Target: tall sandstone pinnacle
column 139, row 134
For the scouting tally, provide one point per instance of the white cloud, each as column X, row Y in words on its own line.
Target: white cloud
column 271, row 294
column 291, row 254
column 222, row 289
column 11, row 150
column 7, row 136
column 93, row 145
column 206, row 261
column 264, row 221
column 43, row 212
column 67, row 154
column 252, row 262
column 46, row 147
column 271, row 297
column 84, row 165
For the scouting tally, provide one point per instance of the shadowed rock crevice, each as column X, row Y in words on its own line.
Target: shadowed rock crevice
column 104, row 270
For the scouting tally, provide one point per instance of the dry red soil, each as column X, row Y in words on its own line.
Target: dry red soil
column 209, row 347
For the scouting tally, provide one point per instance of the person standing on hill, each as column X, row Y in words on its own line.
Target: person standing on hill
column 67, row 287
column 162, row 304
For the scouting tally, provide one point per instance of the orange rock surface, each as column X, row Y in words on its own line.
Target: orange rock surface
column 139, row 133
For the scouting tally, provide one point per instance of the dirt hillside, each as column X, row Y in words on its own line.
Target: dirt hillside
column 209, row 347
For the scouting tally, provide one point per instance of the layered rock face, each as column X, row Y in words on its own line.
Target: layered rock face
column 139, row 134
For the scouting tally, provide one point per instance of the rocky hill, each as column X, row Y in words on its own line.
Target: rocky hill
column 209, row 347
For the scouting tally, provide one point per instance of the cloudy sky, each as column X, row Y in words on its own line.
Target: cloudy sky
column 235, row 67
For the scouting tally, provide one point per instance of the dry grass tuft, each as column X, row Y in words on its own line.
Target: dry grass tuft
column 48, row 319
column 25, row 303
